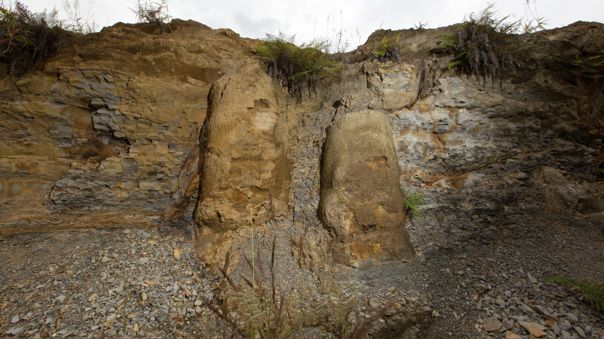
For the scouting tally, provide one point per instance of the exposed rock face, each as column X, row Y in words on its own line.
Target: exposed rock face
column 562, row 192
column 393, row 85
column 244, row 159
column 245, row 171
column 478, row 156
column 107, row 133
column 124, row 127
column 361, row 202
column 151, row 140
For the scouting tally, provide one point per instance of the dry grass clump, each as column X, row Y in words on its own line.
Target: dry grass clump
column 155, row 13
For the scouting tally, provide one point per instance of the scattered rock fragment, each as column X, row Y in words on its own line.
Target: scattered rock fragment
column 177, row 252
column 565, row 324
column 580, row 331
column 572, row 317
column 512, row 335
column 15, row 331
column 491, row 324
column 533, row 328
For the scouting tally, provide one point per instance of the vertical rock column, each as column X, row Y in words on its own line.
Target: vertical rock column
column 244, row 161
column 361, row 202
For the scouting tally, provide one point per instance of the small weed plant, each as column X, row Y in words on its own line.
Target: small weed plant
column 299, row 69
column 420, row 25
column 262, row 307
column 76, row 22
column 412, row 205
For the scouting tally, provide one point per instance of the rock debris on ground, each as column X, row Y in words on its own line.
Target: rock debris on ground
column 126, row 283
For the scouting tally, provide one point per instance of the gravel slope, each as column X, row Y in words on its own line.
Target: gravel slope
column 95, row 283
column 488, row 287
column 147, row 282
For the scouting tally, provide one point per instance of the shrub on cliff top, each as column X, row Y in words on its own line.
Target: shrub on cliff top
column 297, row 68
column 153, row 12
column 482, row 45
column 485, row 45
column 388, row 49
column 27, row 39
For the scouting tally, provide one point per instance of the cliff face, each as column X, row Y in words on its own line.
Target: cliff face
column 108, row 134
column 129, row 128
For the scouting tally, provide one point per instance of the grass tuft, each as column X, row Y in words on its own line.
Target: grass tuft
column 301, row 68
column 485, row 44
column 388, row 49
column 592, row 292
column 480, row 47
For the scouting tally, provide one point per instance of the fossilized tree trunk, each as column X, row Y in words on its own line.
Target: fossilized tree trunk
column 361, row 203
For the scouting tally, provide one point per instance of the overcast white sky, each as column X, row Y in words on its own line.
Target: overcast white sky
column 310, row 19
